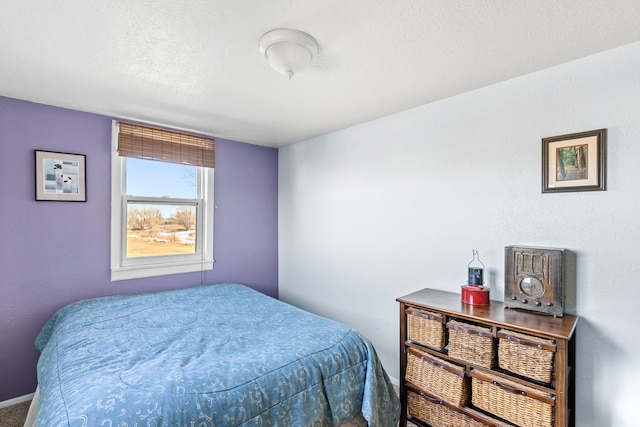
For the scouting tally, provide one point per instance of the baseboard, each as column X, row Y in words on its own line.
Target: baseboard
column 394, row 381
column 16, row 400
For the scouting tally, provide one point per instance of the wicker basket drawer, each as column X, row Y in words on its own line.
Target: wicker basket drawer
column 438, row 377
column 532, row 357
column 516, row 403
column 434, row 413
column 425, row 328
column 471, row 343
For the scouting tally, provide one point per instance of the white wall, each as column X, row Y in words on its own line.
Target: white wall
column 380, row 210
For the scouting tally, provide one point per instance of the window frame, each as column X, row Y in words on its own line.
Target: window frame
column 124, row 268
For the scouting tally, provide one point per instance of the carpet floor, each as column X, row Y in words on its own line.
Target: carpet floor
column 14, row 415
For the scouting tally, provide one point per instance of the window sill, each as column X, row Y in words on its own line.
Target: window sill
column 138, row 272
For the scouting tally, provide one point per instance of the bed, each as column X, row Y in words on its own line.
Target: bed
column 211, row 355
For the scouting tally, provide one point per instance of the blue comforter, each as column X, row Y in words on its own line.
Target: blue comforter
column 212, row 355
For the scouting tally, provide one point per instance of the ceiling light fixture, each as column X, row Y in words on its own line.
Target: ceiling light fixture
column 288, row 51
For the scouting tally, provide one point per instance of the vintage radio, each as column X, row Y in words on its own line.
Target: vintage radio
column 534, row 279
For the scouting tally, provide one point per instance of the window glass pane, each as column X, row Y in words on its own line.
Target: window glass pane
column 160, row 229
column 150, row 178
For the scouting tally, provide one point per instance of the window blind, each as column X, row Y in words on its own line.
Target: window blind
column 143, row 142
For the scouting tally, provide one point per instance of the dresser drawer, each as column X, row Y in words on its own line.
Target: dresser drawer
column 526, row 355
column 433, row 412
column 471, row 343
column 514, row 402
column 426, row 328
column 438, row 377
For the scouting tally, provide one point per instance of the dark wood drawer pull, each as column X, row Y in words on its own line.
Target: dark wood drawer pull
column 548, row 399
column 530, row 343
column 431, row 399
column 428, row 316
column 424, row 357
column 466, row 330
column 508, row 389
column 521, row 341
column 432, row 362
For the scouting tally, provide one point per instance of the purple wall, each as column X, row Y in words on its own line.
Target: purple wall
column 53, row 253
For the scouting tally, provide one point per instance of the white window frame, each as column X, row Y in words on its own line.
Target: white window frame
column 123, row 268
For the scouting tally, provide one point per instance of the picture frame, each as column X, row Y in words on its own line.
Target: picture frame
column 574, row 162
column 60, row 176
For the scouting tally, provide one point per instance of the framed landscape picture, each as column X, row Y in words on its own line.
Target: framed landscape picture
column 574, row 162
column 60, row 176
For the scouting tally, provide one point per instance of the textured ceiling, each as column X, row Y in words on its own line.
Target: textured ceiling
column 196, row 64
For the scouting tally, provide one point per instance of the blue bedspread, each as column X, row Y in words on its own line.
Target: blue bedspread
column 212, row 355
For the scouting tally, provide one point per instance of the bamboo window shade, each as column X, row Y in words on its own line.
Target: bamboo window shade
column 166, row 146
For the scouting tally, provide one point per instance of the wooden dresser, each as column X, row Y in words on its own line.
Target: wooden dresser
column 472, row 366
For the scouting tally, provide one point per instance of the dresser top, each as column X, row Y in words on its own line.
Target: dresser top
column 496, row 313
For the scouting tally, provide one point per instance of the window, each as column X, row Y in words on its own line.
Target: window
column 161, row 202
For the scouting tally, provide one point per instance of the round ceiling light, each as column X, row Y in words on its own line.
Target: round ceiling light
column 288, row 51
